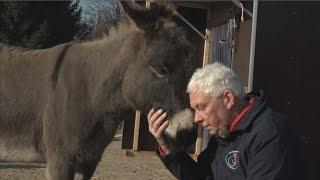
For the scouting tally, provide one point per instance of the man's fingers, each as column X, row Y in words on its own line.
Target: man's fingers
column 159, row 121
column 155, row 120
column 151, row 112
column 157, row 124
column 163, row 126
column 155, row 116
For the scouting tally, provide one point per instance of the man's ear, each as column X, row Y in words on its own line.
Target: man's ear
column 146, row 19
column 228, row 99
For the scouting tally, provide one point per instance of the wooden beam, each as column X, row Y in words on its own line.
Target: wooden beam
column 136, row 132
column 199, row 141
column 148, row 2
column 206, row 50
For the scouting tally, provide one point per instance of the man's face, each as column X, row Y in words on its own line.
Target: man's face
column 211, row 112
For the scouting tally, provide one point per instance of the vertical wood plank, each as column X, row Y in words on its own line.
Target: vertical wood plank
column 136, row 131
column 148, row 2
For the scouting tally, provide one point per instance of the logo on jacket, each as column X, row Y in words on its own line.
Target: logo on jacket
column 232, row 159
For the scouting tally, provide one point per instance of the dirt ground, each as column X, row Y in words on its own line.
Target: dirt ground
column 115, row 165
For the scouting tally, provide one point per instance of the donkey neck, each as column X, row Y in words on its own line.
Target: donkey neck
column 113, row 56
column 115, row 52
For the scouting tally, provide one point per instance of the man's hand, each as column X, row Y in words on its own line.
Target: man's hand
column 157, row 125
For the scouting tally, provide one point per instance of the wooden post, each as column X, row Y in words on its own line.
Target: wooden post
column 206, row 51
column 135, row 143
column 206, row 60
column 148, row 2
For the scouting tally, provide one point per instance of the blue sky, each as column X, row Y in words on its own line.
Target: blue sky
column 83, row 3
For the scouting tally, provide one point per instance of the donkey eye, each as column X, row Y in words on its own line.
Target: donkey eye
column 160, row 71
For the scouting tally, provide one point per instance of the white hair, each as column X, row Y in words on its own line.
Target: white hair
column 214, row 79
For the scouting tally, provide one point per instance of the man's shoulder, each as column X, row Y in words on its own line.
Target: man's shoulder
column 272, row 124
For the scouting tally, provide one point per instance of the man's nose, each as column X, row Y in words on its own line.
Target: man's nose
column 197, row 117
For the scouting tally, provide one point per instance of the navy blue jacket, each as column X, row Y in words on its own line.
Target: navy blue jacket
column 263, row 146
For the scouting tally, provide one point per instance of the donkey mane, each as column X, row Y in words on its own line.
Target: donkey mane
column 123, row 28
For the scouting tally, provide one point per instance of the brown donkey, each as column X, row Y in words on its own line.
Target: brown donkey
column 62, row 105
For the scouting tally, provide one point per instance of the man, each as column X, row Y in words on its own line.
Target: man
column 250, row 140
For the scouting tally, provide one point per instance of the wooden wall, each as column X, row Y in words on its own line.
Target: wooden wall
column 242, row 55
column 287, row 63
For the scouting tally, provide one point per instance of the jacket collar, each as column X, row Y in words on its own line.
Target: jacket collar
column 249, row 117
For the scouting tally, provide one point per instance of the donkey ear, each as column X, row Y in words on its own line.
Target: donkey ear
column 139, row 14
column 146, row 19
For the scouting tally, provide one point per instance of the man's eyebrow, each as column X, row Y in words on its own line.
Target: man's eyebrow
column 198, row 105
